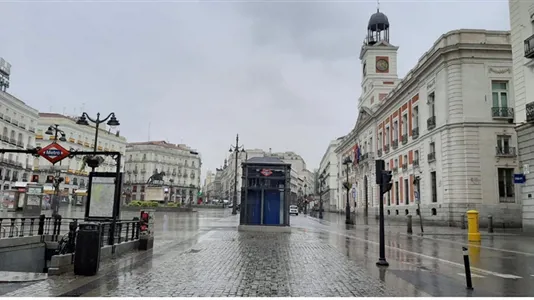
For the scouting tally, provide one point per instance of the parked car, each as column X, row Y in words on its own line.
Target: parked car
column 293, row 210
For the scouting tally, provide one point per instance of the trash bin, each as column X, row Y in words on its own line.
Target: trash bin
column 87, row 255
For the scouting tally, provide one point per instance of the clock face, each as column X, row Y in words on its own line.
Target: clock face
column 382, row 65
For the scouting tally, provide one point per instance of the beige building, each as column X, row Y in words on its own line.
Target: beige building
column 18, row 123
column 180, row 163
column 447, row 123
column 522, row 32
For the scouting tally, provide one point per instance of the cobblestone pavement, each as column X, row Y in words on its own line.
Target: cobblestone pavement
column 203, row 254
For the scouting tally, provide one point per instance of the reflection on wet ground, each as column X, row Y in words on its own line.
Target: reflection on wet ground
column 202, row 254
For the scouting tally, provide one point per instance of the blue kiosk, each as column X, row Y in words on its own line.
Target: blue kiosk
column 265, row 194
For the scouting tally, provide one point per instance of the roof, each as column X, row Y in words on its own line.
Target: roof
column 267, row 160
column 378, row 22
column 161, row 144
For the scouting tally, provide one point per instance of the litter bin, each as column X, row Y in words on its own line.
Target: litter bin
column 87, row 255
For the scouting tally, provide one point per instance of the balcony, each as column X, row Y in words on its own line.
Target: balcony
column 416, row 162
column 7, row 119
column 505, row 152
column 395, row 170
column 72, row 140
column 431, row 123
column 5, row 138
column 415, row 133
column 143, row 171
column 395, row 144
column 15, row 122
column 502, row 112
column 404, row 166
column 404, row 139
column 386, row 149
column 13, row 141
column 20, row 144
column 431, row 157
column 31, row 129
column 530, row 111
column 23, row 126
column 529, row 47
column 79, row 142
column 6, row 178
column 379, row 152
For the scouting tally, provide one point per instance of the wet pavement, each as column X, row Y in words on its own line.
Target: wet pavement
column 203, row 254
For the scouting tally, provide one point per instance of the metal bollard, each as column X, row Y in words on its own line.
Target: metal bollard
column 490, row 224
column 410, row 230
column 468, row 281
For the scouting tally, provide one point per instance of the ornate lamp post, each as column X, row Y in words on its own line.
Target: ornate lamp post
column 54, row 130
column 236, row 149
column 111, row 121
column 347, row 162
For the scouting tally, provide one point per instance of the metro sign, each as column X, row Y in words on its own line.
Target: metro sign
column 266, row 172
column 54, row 153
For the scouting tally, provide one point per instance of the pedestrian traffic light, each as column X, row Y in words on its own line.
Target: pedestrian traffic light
column 387, row 183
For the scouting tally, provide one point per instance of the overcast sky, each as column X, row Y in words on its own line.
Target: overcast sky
column 284, row 75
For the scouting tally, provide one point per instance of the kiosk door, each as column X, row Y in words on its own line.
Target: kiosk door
column 271, row 207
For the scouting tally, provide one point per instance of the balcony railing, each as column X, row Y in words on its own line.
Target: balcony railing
column 505, row 152
column 431, row 156
column 529, row 47
column 15, row 122
column 23, row 126
column 386, row 148
column 20, row 144
column 431, row 123
column 5, row 138
column 379, row 152
column 405, row 166
column 395, row 144
column 416, row 162
column 13, row 141
column 395, row 170
column 415, row 133
column 530, row 111
column 404, row 138
column 31, row 129
column 502, row 112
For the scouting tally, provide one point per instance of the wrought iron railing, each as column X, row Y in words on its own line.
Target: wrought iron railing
column 379, row 152
column 530, row 111
column 529, row 47
column 431, row 156
column 502, row 112
column 395, row 144
column 404, row 138
column 386, row 148
column 505, row 152
column 431, row 123
column 415, row 133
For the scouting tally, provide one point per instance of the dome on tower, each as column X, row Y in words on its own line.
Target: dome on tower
column 378, row 22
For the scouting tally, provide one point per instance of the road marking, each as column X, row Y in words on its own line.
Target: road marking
column 487, row 272
column 453, row 242
column 472, row 275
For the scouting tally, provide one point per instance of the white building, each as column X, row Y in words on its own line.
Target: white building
column 328, row 168
column 448, row 123
column 522, row 25
column 18, row 122
column 180, row 163
column 78, row 137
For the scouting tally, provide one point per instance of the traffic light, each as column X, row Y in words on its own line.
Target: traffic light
column 387, row 183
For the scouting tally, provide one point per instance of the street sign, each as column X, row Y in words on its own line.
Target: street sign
column 54, row 153
column 266, row 172
column 519, row 178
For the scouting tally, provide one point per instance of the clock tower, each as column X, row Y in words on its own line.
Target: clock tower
column 379, row 62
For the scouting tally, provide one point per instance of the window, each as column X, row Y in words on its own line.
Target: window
column 387, row 137
column 380, row 139
column 434, row 186
column 431, row 105
column 406, row 192
column 396, row 163
column 396, row 192
column 395, row 130
column 499, row 93
column 432, row 147
column 503, row 144
column 405, row 159
column 416, row 155
column 415, row 117
column 404, row 124
column 506, row 185
column 370, row 145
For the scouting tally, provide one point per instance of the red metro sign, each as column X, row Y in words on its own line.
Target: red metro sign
column 266, row 172
column 54, row 153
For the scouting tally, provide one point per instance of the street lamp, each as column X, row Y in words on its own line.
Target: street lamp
column 54, row 130
column 321, row 181
column 236, row 149
column 347, row 162
column 111, row 121
column 305, row 197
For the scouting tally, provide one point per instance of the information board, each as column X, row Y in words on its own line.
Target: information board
column 102, row 196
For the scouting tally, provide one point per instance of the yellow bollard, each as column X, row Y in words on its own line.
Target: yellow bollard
column 473, row 234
